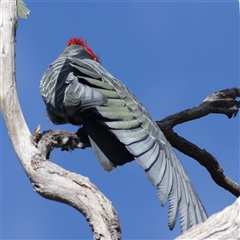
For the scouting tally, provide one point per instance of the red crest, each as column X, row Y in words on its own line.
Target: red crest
column 79, row 41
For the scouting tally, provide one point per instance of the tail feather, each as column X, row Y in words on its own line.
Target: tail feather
column 127, row 127
column 174, row 199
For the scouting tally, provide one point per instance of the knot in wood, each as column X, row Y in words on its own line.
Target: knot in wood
column 36, row 162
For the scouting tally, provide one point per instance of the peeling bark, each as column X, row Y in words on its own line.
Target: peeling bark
column 222, row 225
column 55, row 183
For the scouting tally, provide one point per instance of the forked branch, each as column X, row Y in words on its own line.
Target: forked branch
column 222, row 102
column 55, row 183
column 48, row 179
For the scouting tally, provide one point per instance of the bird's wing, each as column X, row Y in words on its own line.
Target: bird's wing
column 126, row 118
column 64, row 94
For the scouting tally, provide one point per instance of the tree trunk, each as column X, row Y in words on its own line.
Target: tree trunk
column 55, row 183
column 48, row 179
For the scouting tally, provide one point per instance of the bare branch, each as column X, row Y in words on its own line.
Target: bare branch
column 48, row 179
column 65, row 140
column 219, row 102
column 53, row 182
column 223, row 102
column 222, row 225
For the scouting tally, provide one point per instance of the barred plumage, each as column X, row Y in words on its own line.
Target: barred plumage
column 78, row 90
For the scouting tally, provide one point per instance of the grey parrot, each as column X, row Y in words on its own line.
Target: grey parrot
column 78, row 90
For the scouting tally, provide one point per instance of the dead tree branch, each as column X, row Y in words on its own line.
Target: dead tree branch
column 48, row 179
column 222, row 102
column 55, row 183
column 222, row 225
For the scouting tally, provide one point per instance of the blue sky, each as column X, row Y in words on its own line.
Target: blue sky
column 171, row 55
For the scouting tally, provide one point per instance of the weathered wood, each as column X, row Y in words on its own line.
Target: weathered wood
column 55, row 183
column 222, row 102
column 222, row 225
column 48, row 179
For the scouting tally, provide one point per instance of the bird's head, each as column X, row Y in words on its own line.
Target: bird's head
column 81, row 42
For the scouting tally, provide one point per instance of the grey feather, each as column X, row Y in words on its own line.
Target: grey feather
column 174, row 199
column 78, row 90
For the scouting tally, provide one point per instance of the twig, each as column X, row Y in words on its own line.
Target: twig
column 222, row 102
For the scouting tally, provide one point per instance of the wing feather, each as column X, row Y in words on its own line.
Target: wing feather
column 127, row 120
column 174, row 198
